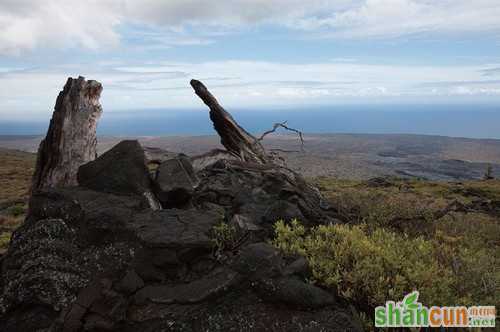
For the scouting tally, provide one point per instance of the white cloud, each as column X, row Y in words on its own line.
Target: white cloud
column 28, row 24
column 240, row 84
column 473, row 91
column 25, row 25
column 223, row 12
column 392, row 18
column 92, row 24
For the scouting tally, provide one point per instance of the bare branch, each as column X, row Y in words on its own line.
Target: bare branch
column 284, row 126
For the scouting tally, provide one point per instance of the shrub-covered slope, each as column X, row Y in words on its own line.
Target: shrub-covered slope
column 442, row 239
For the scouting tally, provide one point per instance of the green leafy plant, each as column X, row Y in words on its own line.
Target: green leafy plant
column 223, row 238
column 289, row 237
column 368, row 267
column 4, row 241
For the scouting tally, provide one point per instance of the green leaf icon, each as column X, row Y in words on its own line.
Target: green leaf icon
column 410, row 300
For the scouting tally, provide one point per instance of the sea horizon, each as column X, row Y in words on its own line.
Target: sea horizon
column 468, row 121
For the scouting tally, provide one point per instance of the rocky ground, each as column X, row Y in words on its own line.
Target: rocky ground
column 201, row 263
column 101, row 256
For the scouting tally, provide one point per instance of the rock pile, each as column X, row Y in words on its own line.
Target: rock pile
column 101, row 256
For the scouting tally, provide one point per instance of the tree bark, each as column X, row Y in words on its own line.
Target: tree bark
column 71, row 138
column 234, row 138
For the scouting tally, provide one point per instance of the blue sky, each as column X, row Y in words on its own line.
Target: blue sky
column 253, row 54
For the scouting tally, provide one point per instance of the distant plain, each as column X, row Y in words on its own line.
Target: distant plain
column 345, row 156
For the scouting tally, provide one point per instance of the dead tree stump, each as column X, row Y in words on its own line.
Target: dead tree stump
column 71, row 138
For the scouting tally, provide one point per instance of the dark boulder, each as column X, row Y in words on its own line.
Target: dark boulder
column 219, row 281
column 258, row 261
column 130, row 283
column 175, row 229
column 282, row 210
column 299, row 267
column 121, row 170
column 259, row 195
column 175, row 181
column 264, row 267
column 294, row 292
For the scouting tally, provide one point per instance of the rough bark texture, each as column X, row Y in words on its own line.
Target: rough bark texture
column 234, row 138
column 71, row 137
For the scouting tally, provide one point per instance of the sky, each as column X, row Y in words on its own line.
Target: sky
column 252, row 54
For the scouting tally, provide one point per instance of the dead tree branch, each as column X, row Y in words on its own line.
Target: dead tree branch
column 237, row 141
column 284, row 126
column 234, row 138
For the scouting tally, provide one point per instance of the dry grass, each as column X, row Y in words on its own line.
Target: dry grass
column 434, row 195
column 16, row 169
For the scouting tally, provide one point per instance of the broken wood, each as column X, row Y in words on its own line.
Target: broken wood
column 234, row 138
column 71, row 138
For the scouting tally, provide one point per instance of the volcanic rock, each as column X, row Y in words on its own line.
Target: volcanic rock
column 121, row 170
column 174, row 182
column 97, row 257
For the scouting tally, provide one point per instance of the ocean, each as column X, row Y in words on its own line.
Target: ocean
column 471, row 121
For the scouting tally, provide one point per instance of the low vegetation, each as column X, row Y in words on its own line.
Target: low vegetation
column 16, row 169
column 395, row 236
column 223, row 238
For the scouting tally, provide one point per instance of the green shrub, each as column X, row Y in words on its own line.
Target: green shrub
column 223, row 237
column 368, row 268
column 468, row 244
column 4, row 241
column 290, row 238
column 478, row 276
column 402, row 214
column 405, row 213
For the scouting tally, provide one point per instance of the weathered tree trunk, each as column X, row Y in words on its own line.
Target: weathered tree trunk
column 234, row 138
column 71, row 138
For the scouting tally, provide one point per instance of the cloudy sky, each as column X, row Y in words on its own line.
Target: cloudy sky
column 251, row 53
